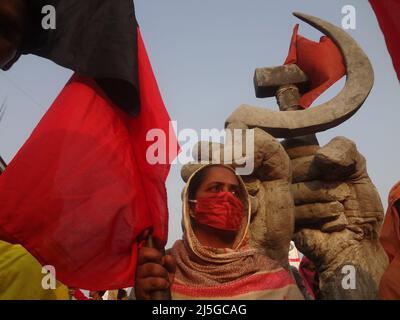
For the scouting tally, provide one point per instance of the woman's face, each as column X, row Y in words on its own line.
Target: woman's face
column 218, row 179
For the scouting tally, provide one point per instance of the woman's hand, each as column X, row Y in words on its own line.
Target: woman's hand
column 154, row 272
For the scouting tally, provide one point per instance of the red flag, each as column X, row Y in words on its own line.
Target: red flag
column 321, row 61
column 78, row 295
column 388, row 14
column 80, row 191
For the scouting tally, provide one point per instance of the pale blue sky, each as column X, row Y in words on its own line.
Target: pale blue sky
column 204, row 53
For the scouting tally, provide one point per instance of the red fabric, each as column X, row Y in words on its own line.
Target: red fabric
column 389, row 288
column 321, row 61
column 388, row 14
column 390, row 232
column 78, row 295
column 308, row 273
column 80, row 191
column 223, row 211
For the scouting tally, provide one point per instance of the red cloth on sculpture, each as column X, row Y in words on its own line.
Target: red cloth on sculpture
column 321, row 61
column 80, row 191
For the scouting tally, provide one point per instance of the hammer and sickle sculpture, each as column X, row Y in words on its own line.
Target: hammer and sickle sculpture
column 337, row 210
column 359, row 82
column 320, row 197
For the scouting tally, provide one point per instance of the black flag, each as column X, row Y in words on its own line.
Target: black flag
column 95, row 38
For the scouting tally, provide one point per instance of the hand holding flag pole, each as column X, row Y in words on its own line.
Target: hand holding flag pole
column 160, row 294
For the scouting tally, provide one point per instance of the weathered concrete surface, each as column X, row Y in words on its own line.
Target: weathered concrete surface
column 338, row 218
column 267, row 81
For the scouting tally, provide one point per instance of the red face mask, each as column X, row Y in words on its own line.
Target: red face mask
column 222, row 211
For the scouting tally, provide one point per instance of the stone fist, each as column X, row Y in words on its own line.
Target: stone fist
column 338, row 217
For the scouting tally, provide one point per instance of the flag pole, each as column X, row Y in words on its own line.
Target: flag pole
column 3, row 165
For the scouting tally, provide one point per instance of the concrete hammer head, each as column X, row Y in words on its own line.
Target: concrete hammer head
column 267, row 81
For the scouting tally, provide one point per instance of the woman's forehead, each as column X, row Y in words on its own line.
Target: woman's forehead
column 220, row 174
